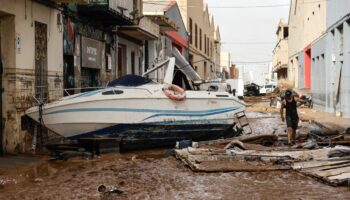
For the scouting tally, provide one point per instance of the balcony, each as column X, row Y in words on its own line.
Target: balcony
column 109, row 12
column 145, row 30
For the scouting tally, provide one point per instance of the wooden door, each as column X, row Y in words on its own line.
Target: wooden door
column 1, row 91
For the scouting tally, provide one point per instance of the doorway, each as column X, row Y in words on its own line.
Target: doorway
column 133, row 63
column 1, row 91
column 121, row 60
column 41, row 82
column 307, row 72
column 68, row 74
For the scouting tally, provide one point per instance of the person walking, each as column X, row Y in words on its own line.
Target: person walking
column 292, row 118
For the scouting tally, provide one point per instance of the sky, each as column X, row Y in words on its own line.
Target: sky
column 249, row 33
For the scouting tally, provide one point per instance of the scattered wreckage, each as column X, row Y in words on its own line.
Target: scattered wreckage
column 259, row 153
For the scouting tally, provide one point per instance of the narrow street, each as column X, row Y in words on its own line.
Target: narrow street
column 157, row 174
column 174, row 99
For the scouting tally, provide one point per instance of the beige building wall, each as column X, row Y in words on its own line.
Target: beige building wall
column 307, row 22
column 205, row 53
column 17, row 23
column 280, row 52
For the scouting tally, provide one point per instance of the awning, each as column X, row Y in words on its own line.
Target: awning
column 178, row 38
column 137, row 33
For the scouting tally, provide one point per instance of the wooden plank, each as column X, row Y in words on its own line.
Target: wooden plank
column 298, row 155
column 333, row 172
column 340, row 176
column 313, row 164
column 327, row 167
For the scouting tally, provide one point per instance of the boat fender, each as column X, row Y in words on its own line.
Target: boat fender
column 174, row 92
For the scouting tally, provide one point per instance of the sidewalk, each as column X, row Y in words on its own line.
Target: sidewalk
column 12, row 161
column 327, row 120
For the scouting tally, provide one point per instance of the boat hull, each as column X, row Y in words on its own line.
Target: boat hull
column 142, row 136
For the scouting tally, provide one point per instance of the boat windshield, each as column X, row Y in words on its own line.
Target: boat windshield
column 130, row 80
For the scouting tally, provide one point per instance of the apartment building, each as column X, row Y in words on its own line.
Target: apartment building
column 280, row 52
column 204, row 40
column 307, row 22
column 330, row 58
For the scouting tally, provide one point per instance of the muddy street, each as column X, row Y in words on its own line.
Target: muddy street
column 151, row 175
column 157, row 174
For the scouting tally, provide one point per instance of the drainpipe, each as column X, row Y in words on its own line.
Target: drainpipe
column 188, row 46
column 115, row 31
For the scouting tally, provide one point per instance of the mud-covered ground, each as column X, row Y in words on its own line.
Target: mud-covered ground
column 156, row 174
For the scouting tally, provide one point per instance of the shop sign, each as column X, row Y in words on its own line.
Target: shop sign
column 91, row 53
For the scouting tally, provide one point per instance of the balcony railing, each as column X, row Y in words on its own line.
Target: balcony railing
column 125, row 7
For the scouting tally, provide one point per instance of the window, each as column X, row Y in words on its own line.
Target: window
column 200, row 39
column 340, row 38
column 146, row 55
column 205, row 44
column 191, row 31
column 112, row 92
column 132, row 62
column 209, row 51
column 196, row 35
column 285, row 32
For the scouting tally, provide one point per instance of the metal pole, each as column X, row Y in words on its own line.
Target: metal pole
column 188, row 46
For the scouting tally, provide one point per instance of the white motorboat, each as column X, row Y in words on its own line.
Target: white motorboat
column 136, row 108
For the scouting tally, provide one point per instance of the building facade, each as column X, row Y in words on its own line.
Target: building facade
column 50, row 49
column 31, row 55
column 204, row 38
column 226, row 63
column 330, row 72
column 280, row 52
column 173, row 34
column 307, row 22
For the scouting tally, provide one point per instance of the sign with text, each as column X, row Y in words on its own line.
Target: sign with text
column 91, row 53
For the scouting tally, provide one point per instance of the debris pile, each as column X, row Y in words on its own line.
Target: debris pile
column 258, row 153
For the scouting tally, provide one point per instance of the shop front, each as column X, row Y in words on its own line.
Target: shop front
column 89, row 57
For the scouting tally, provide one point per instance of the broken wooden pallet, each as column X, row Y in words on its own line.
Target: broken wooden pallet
column 206, row 160
column 335, row 172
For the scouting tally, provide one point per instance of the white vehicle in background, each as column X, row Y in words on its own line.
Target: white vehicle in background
column 214, row 87
column 237, row 87
column 268, row 88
